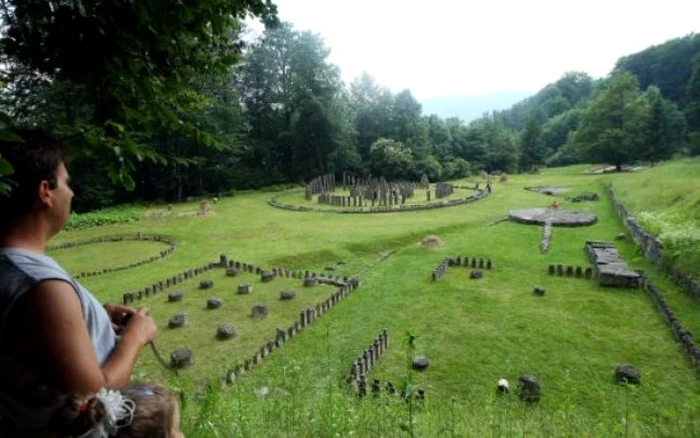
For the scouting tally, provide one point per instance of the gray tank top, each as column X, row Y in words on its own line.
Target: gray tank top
column 25, row 400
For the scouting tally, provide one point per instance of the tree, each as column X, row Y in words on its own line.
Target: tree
column 372, row 109
column 430, row 166
column 575, row 87
column 409, row 126
column 692, row 110
column 556, row 130
column 133, row 60
column 613, row 127
column 491, row 146
column 295, row 104
column 391, row 159
column 531, row 151
column 665, row 127
column 667, row 65
column 456, row 168
column 567, row 154
column 439, row 137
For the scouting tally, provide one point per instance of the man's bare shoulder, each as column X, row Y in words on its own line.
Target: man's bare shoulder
column 48, row 305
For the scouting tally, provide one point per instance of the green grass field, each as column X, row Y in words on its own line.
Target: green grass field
column 473, row 331
column 98, row 256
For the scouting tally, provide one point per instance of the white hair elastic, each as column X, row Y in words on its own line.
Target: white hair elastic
column 119, row 412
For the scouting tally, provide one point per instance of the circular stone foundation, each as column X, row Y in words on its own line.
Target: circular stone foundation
column 294, row 200
column 558, row 217
column 117, row 265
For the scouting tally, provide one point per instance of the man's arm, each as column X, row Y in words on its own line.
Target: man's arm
column 50, row 322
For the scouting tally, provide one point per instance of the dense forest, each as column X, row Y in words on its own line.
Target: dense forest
column 165, row 104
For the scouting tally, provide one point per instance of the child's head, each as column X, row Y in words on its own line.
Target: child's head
column 138, row 411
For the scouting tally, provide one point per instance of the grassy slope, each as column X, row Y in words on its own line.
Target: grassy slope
column 474, row 332
column 672, row 187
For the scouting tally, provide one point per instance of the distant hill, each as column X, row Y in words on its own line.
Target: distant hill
column 470, row 107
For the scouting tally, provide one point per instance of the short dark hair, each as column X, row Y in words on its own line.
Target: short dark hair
column 34, row 161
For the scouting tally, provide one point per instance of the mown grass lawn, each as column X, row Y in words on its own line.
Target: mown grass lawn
column 473, row 331
column 101, row 255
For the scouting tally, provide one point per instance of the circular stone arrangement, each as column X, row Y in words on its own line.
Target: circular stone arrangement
column 354, row 203
column 138, row 237
column 558, row 217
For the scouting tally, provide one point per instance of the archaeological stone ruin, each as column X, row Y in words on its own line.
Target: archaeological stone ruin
column 608, row 266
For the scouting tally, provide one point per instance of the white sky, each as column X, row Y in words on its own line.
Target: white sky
column 443, row 47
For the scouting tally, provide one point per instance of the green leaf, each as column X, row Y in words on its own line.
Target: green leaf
column 5, row 167
column 6, row 135
column 128, row 182
column 4, row 188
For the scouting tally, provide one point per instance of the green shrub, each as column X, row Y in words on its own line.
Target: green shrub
column 680, row 238
column 117, row 215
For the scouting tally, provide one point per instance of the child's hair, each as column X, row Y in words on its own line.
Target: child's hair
column 153, row 414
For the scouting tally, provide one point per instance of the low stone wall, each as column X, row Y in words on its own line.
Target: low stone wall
column 464, row 261
column 440, row 270
column 370, row 356
column 571, row 271
column 682, row 335
column 120, row 238
column 480, row 194
column 651, row 247
column 357, row 379
column 159, row 286
column 363, row 388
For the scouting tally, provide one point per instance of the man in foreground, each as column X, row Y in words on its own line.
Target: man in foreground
column 55, row 337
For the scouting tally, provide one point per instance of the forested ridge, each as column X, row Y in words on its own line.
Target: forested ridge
column 182, row 106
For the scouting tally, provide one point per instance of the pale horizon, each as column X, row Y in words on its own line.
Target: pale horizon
column 454, row 48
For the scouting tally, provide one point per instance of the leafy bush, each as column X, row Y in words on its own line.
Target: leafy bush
column 680, row 238
column 457, row 168
column 117, row 215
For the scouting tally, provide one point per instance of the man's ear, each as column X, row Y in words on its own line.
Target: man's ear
column 44, row 194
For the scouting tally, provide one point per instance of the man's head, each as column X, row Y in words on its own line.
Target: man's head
column 39, row 183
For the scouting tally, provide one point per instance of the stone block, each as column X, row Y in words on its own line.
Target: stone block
column 288, row 294
column 529, row 388
column 225, row 331
column 181, row 358
column 259, row 311
column 214, row 303
column 420, row 363
column 627, row 373
column 174, row 297
column 178, row 320
column 267, row 276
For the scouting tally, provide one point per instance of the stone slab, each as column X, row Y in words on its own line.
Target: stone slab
column 558, row 217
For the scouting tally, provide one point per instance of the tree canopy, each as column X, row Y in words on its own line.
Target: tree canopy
column 162, row 101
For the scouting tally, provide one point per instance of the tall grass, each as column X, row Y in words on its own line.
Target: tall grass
column 216, row 411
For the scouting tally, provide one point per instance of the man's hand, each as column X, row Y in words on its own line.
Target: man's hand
column 142, row 328
column 117, row 313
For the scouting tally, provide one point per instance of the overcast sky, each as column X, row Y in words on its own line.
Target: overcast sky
column 443, row 47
